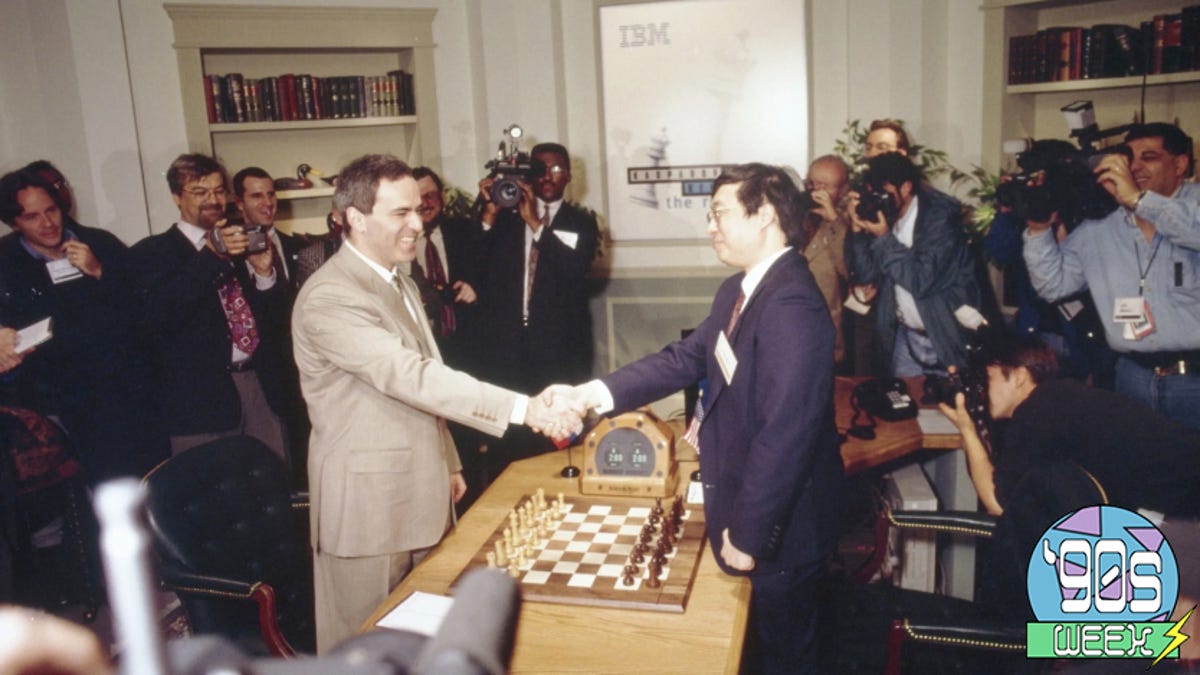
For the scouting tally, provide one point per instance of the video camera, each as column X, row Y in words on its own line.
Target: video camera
column 1056, row 176
column 510, row 168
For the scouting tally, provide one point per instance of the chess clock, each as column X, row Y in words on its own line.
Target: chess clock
column 632, row 454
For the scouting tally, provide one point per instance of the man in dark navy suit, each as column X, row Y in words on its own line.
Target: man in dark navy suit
column 769, row 456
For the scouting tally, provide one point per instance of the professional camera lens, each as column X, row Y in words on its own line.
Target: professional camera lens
column 506, row 193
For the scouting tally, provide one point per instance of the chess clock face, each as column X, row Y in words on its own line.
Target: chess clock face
column 630, row 454
column 625, row 452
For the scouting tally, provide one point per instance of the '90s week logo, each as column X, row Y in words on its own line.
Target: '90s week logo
column 1103, row 583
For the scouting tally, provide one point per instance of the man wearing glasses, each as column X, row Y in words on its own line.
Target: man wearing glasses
column 828, row 183
column 214, row 314
column 532, row 290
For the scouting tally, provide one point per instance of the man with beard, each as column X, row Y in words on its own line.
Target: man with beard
column 213, row 312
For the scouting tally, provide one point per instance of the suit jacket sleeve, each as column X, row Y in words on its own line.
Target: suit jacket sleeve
column 680, row 364
column 347, row 329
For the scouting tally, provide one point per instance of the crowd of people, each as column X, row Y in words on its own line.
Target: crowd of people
column 398, row 363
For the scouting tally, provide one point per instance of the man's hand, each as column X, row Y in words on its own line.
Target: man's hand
column 1038, row 226
column 490, row 210
column 732, row 556
column 827, row 209
column 458, row 486
column 1113, row 174
column 528, row 208
column 555, row 412
column 263, row 261
column 80, row 255
column 9, row 358
column 864, row 293
column 233, row 239
column 466, row 295
column 41, row 643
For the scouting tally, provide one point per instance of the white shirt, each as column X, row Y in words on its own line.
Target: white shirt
column 906, row 305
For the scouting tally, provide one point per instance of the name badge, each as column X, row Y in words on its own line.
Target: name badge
column 1130, row 309
column 1136, row 330
column 725, row 358
column 62, row 270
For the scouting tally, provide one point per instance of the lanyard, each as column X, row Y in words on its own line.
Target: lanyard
column 1142, row 274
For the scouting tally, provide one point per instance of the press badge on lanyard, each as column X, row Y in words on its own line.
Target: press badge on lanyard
column 1134, row 312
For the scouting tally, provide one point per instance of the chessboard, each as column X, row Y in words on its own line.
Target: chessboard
column 628, row 553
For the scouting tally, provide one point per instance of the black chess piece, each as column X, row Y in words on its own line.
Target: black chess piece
column 637, row 555
column 652, row 580
column 658, row 507
column 627, row 579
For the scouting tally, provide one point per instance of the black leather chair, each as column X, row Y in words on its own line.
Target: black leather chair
column 900, row 631
column 231, row 545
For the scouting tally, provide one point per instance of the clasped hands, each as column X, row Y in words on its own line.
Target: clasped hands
column 559, row 410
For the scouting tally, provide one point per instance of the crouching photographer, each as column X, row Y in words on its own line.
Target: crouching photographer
column 1141, row 264
column 1140, row 459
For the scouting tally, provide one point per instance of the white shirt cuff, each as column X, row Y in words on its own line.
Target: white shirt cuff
column 520, row 406
column 597, row 393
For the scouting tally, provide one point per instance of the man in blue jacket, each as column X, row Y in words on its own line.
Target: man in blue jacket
column 913, row 249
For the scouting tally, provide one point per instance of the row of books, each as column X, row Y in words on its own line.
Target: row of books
column 232, row 98
column 1168, row 43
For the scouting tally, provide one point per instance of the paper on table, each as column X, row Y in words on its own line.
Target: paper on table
column 419, row 613
column 933, row 421
column 33, row 335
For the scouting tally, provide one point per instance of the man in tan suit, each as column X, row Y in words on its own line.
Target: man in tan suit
column 383, row 470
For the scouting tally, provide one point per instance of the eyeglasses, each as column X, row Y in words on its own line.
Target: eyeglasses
column 880, row 148
column 205, row 193
column 811, row 185
column 714, row 216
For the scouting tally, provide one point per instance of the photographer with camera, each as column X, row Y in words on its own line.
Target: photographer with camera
column 535, row 255
column 214, row 315
column 1044, row 419
column 1141, row 263
column 907, row 239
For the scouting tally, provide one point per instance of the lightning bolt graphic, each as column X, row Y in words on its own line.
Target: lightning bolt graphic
column 1177, row 637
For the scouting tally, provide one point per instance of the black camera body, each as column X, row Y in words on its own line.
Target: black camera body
column 872, row 201
column 258, row 238
column 971, row 381
column 1057, row 177
column 511, row 168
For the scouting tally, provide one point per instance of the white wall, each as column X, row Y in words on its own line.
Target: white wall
column 93, row 86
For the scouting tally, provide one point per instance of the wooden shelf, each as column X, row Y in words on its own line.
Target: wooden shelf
column 310, row 193
column 1104, row 83
column 297, row 125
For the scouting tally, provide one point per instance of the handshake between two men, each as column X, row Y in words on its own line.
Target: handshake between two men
column 559, row 411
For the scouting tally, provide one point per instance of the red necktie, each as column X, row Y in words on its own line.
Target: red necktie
column 436, row 275
column 241, row 319
column 737, row 314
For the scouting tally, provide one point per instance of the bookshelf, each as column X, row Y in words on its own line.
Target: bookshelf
column 1032, row 110
column 262, row 42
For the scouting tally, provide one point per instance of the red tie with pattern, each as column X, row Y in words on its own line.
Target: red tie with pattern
column 241, row 319
column 436, row 275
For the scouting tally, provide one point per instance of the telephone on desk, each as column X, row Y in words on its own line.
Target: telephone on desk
column 885, row 398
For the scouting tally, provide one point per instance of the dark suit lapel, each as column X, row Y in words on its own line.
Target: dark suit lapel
column 749, row 316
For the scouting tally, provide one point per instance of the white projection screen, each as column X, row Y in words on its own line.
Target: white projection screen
column 689, row 86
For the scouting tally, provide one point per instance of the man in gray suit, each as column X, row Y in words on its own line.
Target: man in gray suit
column 383, row 470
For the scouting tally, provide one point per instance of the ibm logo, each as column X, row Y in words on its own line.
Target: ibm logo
column 644, row 34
